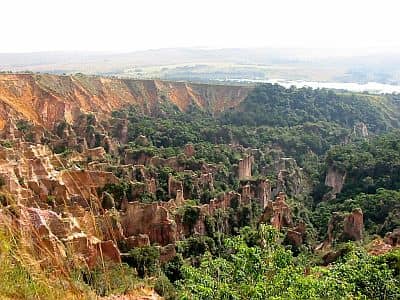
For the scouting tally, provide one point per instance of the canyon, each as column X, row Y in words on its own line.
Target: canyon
column 86, row 180
column 46, row 99
column 58, row 110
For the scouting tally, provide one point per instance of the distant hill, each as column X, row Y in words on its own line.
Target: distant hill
column 209, row 64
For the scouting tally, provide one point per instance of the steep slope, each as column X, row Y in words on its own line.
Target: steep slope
column 47, row 99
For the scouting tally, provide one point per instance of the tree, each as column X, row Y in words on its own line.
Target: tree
column 145, row 260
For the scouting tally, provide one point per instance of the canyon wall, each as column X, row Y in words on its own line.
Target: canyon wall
column 47, row 99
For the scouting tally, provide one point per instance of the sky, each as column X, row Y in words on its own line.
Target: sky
column 131, row 25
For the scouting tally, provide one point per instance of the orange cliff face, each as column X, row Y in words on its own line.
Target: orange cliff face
column 47, row 99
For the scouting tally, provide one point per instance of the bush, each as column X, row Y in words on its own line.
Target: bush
column 145, row 260
column 165, row 288
column 190, row 216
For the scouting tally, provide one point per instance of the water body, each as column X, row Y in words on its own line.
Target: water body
column 371, row 87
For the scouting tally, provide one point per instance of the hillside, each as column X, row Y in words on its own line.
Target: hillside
column 46, row 99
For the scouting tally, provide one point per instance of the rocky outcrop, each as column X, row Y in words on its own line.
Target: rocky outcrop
column 344, row 227
column 139, row 240
column 32, row 174
column 381, row 246
column 353, row 225
column 393, row 238
column 151, row 219
column 174, row 186
column 52, row 237
column 259, row 189
column 161, row 222
column 290, row 179
column 222, row 202
column 334, row 179
column 244, row 167
column 47, row 99
column 277, row 213
column 296, row 236
column 360, row 130
column 199, row 183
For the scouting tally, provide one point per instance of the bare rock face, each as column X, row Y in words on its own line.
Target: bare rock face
column 244, row 167
column 344, row 227
column 174, row 186
column 290, row 179
column 121, row 130
column 53, row 236
column 277, row 213
column 142, row 158
column 393, row 238
column 353, row 225
column 206, row 181
column 259, row 189
column 360, row 130
column 31, row 173
column 85, row 183
column 139, row 240
column 381, row 246
column 10, row 131
column 46, row 99
column 296, row 235
column 222, row 202
column 151, row 219
column 110, row 250
column 334, row 179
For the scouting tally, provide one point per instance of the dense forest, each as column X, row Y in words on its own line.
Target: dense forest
column 353, row 133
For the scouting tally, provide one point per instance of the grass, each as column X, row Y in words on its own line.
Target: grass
column 25, row 275
column 22, row 277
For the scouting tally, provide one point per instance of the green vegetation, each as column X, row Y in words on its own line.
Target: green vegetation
column 240, row 259
column 274, row 105
column 371, row 164
column 145, row 260
column 267, row 270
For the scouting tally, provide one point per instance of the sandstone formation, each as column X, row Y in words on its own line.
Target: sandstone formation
column 393, row 238
column 290, row 179
column 277, row 213
column 344, row 227
column 50, row 237
column 381, row 246
column 360, row 130
column 32, row 174
column 244, row 167
column 335, row 180
column 150, row 219
column 257, row 189
column 353, row 225
column 174, row 186
column 47, row 99
column 139, row 240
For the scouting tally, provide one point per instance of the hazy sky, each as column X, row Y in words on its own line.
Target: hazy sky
column 127, row 25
